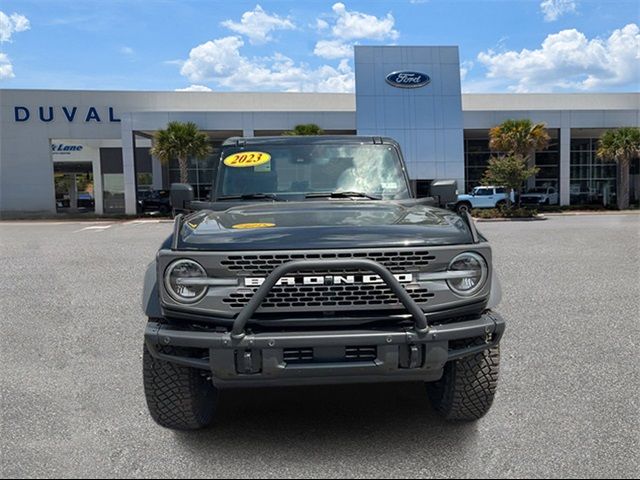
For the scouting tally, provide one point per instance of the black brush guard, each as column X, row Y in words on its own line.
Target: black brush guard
column 239, row 358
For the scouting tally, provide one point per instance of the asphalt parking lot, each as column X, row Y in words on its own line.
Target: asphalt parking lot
column 568, row 402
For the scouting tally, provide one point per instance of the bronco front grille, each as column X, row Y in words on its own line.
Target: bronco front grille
column 353, row 296
column 298, row 296
column 397, row 261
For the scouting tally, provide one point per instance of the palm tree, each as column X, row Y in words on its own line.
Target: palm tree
column 621, row 146
column 181, row 141
column 305, row 129
column 520, row 138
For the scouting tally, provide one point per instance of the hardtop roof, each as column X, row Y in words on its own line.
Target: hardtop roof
column 310, row 140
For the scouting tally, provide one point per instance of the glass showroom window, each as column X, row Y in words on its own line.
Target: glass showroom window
column 548, row 161
column 593, row 181
column 201, row 173
column 477, row 155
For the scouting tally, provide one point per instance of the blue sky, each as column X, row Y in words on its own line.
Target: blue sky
column 505, row 46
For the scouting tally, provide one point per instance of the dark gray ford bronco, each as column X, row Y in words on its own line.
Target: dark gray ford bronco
column 313, row 263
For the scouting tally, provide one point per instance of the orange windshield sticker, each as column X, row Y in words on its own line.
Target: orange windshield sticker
column 254, row 225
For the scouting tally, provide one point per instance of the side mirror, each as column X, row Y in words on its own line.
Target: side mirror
column 181, row 197
column 446, row 191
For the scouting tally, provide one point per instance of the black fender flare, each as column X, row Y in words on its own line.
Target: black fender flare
column 151, row 293
column 496, row 291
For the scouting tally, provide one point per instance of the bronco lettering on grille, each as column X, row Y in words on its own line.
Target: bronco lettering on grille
column 327, row 280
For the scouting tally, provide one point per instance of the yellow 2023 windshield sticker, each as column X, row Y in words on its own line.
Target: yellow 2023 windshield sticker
column 247, row 159
column 254, row 225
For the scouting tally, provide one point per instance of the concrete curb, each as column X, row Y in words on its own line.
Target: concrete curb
column 537, row 218
column 586, row 212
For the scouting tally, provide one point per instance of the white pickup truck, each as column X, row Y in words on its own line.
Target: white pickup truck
column 482, row 197
column 540, row 196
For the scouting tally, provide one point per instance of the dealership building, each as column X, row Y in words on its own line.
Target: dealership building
column 64, row 151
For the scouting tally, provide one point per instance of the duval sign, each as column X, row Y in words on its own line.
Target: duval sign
column 70, row 114
column 408, row 79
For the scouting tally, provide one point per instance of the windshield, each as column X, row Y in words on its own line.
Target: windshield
column 293, row 172
column 538, row 190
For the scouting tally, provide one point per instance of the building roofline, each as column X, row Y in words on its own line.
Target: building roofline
column 550, row 101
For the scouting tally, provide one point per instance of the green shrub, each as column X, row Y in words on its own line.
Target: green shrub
column 515, row 212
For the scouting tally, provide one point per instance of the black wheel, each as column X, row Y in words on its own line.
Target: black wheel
column 178, row 397
column 466, row 390
column 501, row 204
column 463, row 207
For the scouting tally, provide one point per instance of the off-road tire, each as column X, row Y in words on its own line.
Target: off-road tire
column 179, row 398
column 463, row 207
column 466, row 390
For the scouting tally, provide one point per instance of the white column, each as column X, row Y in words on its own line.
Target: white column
column 128, row 166
column 98, row 194
column 565, row 161
column 156, row 172
column 73, row 193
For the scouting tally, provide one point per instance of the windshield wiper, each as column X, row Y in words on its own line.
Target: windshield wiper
column 341, row 195
column 253, row 196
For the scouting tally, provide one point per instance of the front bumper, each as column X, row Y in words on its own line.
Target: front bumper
column 324, row 357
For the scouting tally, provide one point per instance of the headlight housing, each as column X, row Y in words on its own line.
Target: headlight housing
column 179, row 281
column 470, row 273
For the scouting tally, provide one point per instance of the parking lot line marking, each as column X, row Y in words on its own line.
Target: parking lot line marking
column 99, row 228
column 141, row 222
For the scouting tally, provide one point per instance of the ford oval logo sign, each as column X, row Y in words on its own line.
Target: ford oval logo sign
column 407, row 79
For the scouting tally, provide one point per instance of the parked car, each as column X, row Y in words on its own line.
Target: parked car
column 155, row 201
column 86, row 200
column 276, row 283
column 540, row 196
column 482, row 197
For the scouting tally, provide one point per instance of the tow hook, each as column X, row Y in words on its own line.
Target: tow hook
column 488, row 335
column 411, row 357
column 248, row 362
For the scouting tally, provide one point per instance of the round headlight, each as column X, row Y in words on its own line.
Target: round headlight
column 181, row 281
column 468, row 274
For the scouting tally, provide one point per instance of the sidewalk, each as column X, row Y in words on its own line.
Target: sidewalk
column 592, row 212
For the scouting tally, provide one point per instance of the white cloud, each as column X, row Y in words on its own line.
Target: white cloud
column 10, row 24
column 554, row 9
column 214, row 59
column 464, row 68
column 321, row 24
column 221, row 61
column 333, row 49
column 128, row 51
column 351, row 25
column 257, row 25
column 6, row 69
column 194, row 88
column 569, row 60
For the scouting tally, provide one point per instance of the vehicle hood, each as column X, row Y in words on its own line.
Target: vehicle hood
column 322, row 224
column 533, row 195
